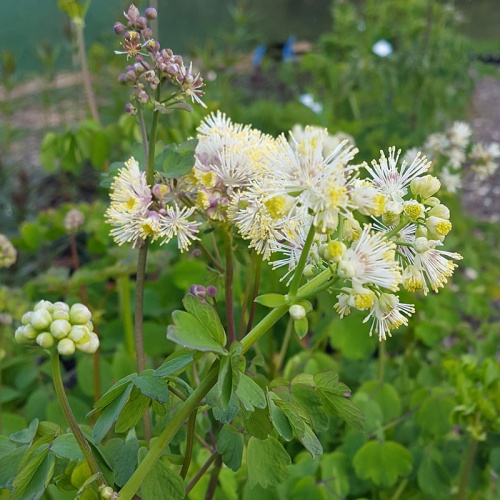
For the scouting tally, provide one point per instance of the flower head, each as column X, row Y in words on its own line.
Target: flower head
column 8, row 253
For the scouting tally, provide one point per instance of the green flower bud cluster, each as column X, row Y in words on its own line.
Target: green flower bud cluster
column 59, row 325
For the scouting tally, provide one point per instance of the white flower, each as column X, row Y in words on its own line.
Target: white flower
column 394, row 181
column 8, row 253
column 388, row 314
column 370, row 260
column 483, row 157
column 451, row 181
column 175, row 222
column 459, row 134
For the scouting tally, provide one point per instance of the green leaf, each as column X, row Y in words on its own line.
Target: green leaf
column 26, row 435
column 125, row 462
column 225, row 383
column 386, row 396
column 267, row 462
column 177, row 159
column 110, row 414
column 35, row 470
column 257, row 423
column 113, row 392
column 433, row 417
column 280, row 421
column 49, row 151
column 132, row 412
column 230, row 446
column 175, row 363
column 335, row 473
column 271, row 300
column 429, row 333
column 66, row 446
column 162, row 483
column 250, row 393
column 309, row 399
column 311, row 442
column 189, row 332
column 382, row 463
column 8, row 466
column 100, row 149
column 351, row 340
column 433, row 478
column 153, row 387
column 301, row 327
column 207, row 316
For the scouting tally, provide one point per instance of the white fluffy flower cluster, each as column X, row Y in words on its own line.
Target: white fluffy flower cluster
column 57, row 324
column 139, row 211
column 452, row 150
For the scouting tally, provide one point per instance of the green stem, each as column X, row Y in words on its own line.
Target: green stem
column 189, row 444
column 246, row 296
column 200, row 473
column 156, row 450
column 139, row 307
column 294, row 285
column 396, row 229
column 229, row 278
column 284, row 345
column 150, row 160
column 214, row 478
column 210, row 257
column 255, row 292
column 193, row 401
column 75, row 429
column 469, row 461
column 381, row 361
column 87, row 84
column 400, row 489
column 123, row 283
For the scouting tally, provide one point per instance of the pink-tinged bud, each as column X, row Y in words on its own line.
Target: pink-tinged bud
column 60, row 328
column 160, row 190
column 196, row 252
column 211, row 291
column 79, row 314
column 151, row 13
column 41, row 319
column 73, row 220
column 132, row 14
column 141, row 23
column 66, row 347
column 199, row 291
column 130, row 109
column 152, row 46
column 122, row 78
column 119, row 28
column 131, row 76
column 45, row 340
column 147, row 33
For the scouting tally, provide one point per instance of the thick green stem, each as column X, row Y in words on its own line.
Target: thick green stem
column 123, row 284
column 75, row 429
column 156, row 450
column 469, row 462
column 193, row 401
column 256, row 284
column 229, row 278
column 87, row 84
column 139, row 307
column 294, row 285
column 189, row 444
column 381, row 361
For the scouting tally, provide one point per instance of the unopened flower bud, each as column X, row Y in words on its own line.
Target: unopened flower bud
column 73, row 220
column 335, row 250
column 60, row 328
column 345, row 269
column 211, row 291
column 151, row 13
column 147, row 33
column 440, row 210
column 132, row 14
column 432, row 201
column 425, row 186
column 58, row 313
column 60, row 305
column 141, row 23
column 79, row 314
column 160, row 190
column 79, row 334
column 199, row 291
column 26, row 318
column 41, row 319
column 422, row 245
column 308, row 271
column 30, row 332
column 45, row 340
column 91, row 345
column 122, row 78
column 8, row 253
column 297, row 312
column 43, row 304
column 21, row 337
column 119, row 28
column 66, row 347
column 438, row 226
column 130, row 109
column 421, row 232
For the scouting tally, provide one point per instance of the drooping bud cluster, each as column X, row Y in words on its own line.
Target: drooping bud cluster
column 153, row 65
column 58, row 325
column 8, row 253
column 200, row 292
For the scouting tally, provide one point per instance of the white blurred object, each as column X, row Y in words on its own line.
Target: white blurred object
column 308, row 101
column 382, row 48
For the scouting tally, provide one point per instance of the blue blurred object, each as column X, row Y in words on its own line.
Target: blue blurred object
column 258, row 55
column 288, row 53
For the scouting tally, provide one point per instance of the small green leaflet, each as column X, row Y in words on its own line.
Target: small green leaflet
column 176, row 159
